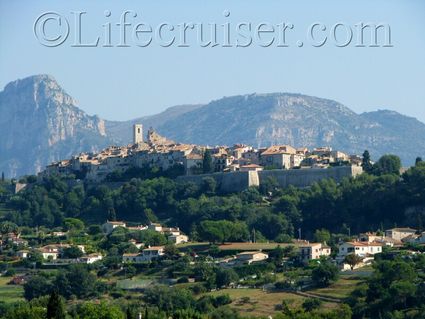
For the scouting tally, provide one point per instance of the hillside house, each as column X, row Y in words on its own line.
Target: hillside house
column 362, row 249
column 312, row 251
column 146, row 255
column 22, row 254
column 109, row 226
column 178, row 239
column 250, row 257
column 91, row 258
column 399, row 233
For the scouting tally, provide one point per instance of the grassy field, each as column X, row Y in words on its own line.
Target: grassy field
column 262, row 303
column 10, row 293
column 339, row 290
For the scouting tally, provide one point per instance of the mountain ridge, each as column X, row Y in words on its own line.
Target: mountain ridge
column 41, row 123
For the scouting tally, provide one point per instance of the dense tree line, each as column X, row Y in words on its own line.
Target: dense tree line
column 395, row 290
column 372, row 201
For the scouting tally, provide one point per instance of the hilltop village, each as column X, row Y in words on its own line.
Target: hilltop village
column 164, row 154
column 204, row 244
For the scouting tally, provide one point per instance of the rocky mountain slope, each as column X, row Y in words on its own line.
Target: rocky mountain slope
column 40, row 123
column 300, row 120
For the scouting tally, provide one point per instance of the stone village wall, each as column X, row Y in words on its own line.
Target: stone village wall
column 239, row 181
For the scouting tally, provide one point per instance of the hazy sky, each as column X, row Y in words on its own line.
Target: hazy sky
column 126, row 82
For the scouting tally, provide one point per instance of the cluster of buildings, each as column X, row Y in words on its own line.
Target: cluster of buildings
column 365, row 246
column 163, row 153
column 174, row 235
column 54, row 253
column 12, row 239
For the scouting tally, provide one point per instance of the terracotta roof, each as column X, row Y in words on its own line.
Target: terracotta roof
column 310, row 245
column 154, row 248
column 403, row 229
column 115, row 222
column 194, row 156
column 279, row 149
column 364, row 244
column 251, row 252
column 251, row 166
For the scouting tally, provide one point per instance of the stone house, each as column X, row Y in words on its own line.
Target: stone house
column 277, row 156
column 399, row 233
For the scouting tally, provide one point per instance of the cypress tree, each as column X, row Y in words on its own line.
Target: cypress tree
column 207, row 162
column 55, row 306
column 366, row 163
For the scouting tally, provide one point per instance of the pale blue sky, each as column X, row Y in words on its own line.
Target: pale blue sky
column 123, row 83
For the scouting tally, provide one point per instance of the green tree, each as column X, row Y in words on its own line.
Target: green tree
column 78, row 281
column 322, row 236
column 325, row 273
column 112, row 216
column 209, row 185
column 73, row 224
column 171, row 251
column 387, row 164
column 90, row 310
column 56, row 306
column 72, row 252
column 366, row 162
column 225, row 277
column 311, row 303
column 207, row 166
column 8, row 227
column 27, row 311
column 37, row 286
column 352, row 260
column 418, row 160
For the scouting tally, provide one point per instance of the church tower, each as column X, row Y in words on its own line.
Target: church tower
column 137, row 133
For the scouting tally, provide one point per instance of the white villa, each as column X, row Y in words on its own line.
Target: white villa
column 362, row 249
column 146, row 255
column 311, row 251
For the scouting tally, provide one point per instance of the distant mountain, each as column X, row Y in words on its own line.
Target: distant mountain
column 40, row 123
column 300, row 120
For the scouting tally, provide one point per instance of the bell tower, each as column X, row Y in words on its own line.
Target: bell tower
column 137, row 133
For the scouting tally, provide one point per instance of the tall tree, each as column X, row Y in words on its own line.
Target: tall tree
column 366, row 162
column 111, row 214
column 418, row 160
column 352, row 260
column 388, row 164
column 55, row 306
column 207, row 162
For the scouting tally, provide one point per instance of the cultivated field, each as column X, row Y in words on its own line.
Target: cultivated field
column 10, row 293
